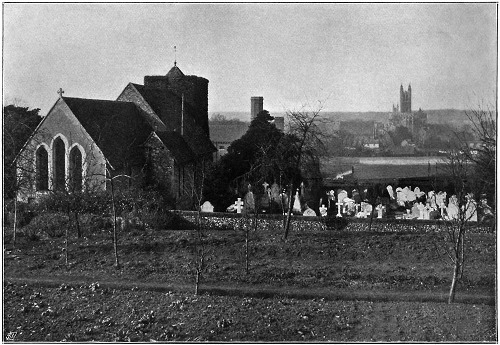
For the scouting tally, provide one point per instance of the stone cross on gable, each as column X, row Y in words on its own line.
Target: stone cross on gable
column 60, row 92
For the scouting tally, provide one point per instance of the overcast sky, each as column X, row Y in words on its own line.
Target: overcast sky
column 354, row 56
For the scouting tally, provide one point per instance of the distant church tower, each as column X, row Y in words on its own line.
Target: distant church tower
column 405, row 99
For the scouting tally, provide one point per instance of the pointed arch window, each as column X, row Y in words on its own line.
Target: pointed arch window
column 75, row 169
column 42, row 169
column 59, row 162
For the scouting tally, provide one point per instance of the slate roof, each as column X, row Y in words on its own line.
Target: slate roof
column 118, row 128
column 227, row 132
column 175, row 73
column 198, row 142
column 174, row 142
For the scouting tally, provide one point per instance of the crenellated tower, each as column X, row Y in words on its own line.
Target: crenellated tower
column 405, row 99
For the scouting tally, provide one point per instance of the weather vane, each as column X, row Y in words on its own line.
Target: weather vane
column 175, row 55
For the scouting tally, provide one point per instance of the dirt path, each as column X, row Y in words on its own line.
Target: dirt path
column 260, row 291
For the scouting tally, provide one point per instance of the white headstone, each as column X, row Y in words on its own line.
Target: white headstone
column 296, row 203
column 411, row 196
column 452, row 209
column 391, row 191
column 399, row 196
column 323, row 211
column 207, row 207
column 341, row 195
column 309, row 212
column 421, row 208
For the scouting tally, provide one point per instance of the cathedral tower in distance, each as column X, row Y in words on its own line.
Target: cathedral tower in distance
column 405, row 99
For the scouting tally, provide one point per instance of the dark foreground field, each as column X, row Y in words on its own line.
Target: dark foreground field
column 94, row 313
column 329, row 285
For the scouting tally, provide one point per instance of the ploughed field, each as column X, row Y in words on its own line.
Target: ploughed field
column 317, row 285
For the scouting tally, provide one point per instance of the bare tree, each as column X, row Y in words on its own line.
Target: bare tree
column 460, row 170
column 195, row 188
column 472, row 171
column 306, row 147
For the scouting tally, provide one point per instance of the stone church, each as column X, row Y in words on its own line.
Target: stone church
column 156, row 134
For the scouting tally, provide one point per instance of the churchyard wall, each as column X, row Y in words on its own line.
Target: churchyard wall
column 274, row 223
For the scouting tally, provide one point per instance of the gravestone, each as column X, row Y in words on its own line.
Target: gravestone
column 309, row 212
column 265, row 200
column 471, row 209
column 239, row 205
column 275, row 193
column 427, row 210
column 431, row 198
column 341, row 195
column 415, row 211
column 411, row 196
column 323, row 211
column 284, row 200
column 349, row 207
column 399, row 196
column 486, row 211
column 355, row 196
column 296, row 203
column 406, row 191
column 390, row 191
column 249, row 201
column 207, row 207
column 452, row 209
column 421, row 208
column 433, row 213
column 417, row 192
column 339, row 204
column 331, row 199
column 366, row 208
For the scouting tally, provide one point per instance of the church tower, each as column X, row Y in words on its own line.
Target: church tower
column 405, row 99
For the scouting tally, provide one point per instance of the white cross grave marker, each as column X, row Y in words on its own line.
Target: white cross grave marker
column 239, row 204
column 339, row 203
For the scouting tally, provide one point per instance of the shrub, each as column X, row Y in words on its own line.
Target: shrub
column 48, row 224
column 25, row 213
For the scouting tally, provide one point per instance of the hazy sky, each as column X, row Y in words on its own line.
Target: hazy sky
column 354, row 56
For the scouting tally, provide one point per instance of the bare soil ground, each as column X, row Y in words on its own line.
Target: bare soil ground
column 378, row 278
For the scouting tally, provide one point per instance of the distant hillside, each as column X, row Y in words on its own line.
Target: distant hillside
column 439, row 116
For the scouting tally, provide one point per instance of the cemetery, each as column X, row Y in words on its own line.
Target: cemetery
column 363, row 269
column 375, row 201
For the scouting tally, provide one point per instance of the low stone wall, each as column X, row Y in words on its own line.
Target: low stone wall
column 274, row 222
